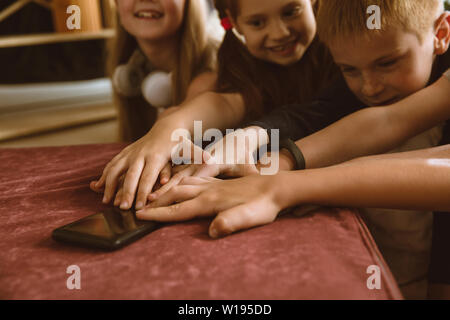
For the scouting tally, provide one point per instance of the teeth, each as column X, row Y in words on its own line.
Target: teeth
column 279, row 48
column 146, row 14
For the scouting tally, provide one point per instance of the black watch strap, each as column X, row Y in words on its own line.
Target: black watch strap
column 290, row 145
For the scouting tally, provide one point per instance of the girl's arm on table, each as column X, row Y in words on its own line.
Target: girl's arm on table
column 414, row 180
column 143, row 160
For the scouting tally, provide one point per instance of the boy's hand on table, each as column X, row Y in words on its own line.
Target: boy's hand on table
column 239, row 204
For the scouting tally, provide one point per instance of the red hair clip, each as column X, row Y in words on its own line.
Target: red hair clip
column 226, row 23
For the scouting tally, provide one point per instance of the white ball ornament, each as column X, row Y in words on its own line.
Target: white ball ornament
column 157, row 89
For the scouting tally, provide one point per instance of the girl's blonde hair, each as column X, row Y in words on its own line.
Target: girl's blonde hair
column 264, row 85
column 196, row 54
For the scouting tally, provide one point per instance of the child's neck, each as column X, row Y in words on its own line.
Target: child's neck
column 161, row 53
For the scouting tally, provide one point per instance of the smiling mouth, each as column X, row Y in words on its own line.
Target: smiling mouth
column 148, row 14
column 283, row 47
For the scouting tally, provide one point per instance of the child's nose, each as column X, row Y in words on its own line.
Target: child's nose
column 371, row 86
column 278, row 30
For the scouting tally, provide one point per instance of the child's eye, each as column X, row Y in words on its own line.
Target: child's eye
column 348, row 71
column 388, row 64
column 293, row 12
column 256, row 23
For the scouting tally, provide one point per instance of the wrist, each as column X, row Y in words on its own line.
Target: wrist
column 287, row 161
column 281, row 189
column 296, row 155
column 165, row 135
column 292, row 188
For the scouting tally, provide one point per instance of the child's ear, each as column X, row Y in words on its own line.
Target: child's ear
column 442, row 34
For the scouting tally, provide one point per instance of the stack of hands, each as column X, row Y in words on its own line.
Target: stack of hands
column 143, row 172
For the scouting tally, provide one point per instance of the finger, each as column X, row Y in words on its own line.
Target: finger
column 190, row 153
column 207, row 170
column 118, row 198
column 165, row 174
column 196, row 181
column 177, row 169
column 183, row 211
column 242, row 217
column 100, row 183
column 94, row 188
column 112, row 180
column 113, row 163
column 119, row 193
column 165, row 188
column 176, row 194
column 172, row 182
column 130, row 184
column 148, row 179
column 208, row 158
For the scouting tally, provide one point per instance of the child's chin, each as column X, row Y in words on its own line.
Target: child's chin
column 286, row 62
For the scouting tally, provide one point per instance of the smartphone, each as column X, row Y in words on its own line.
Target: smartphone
column 108, row 230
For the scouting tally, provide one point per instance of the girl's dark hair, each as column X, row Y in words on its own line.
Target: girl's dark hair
column 265, row 85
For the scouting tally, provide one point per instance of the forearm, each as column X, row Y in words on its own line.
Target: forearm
column 378, row 129
column 404, row 181
column 214, row 110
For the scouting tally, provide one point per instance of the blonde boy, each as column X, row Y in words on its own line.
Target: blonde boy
column 381, row 67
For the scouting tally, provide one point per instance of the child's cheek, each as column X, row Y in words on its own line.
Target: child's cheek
column 408, row 83
column 173, row 11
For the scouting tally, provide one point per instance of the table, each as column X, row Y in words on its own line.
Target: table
column 323, row 255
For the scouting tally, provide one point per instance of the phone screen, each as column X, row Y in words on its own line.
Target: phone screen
column 110, row 228
column 108, row 224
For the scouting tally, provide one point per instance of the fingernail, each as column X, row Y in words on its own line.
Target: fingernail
column 164, row 180
column 152, row 197
column 139, row 205
column 104, row 199
column 124, row 205
column 214, row 234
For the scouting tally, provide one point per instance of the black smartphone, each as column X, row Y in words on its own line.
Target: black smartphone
column 108, row 230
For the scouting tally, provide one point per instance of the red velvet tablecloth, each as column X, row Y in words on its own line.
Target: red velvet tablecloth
column 323, row 255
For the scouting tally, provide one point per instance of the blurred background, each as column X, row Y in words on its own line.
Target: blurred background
column 53, row 89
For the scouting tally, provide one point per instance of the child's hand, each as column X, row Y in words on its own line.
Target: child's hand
column 215, row 161
column 286, row 161
column 140, row 163
column 239, row 204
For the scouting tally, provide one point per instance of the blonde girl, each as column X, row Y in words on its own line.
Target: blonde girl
column 165, row 35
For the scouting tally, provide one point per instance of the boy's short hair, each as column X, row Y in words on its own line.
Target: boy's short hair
column 347, row 18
